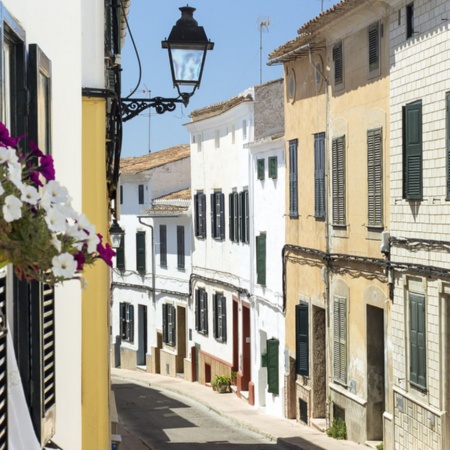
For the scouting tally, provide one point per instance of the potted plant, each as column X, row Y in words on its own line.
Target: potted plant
column 221, row 383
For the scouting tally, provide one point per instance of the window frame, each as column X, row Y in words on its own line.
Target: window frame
column 218, row 215
column 302, row 339
column 244, row 218
column 233, row 216
column 201, row 311
column 200, row 215
column 417, row 355
column 340, row 339
column 127, row 322
column 169, row 324
column 260, row 168
column 220, row 317
column 272, row 163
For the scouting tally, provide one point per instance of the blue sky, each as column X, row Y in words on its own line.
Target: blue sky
column 233, row 65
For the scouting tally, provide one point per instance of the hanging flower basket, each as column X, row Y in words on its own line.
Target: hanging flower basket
column 40, row 232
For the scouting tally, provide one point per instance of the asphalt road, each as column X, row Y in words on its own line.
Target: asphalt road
column 166, row 421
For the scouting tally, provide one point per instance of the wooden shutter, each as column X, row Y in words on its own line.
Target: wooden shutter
column 197, row 212
column 130, row 322
column 212, row 203
column 272, row 366
column 340, row 339
column 302, row 339
column 165, row 323
column 123, row 321
column 163, row 245
column 273, row 167
column 215, row 299
column 219, row 215
column 120, row 255
column 171, row 322
column 236, row 216
column 338, row 64
column 3, row 366
column 241, row 220
column 247, row 218
column 205, row 313
column 180, row 246
column 447, row 101
column 417, row 339
column 412, row 154
column 203, row 217
column 200, row 214
column 140, row 251
column 375, row 178
column 197, row 309
column 374, row 46
column 141, row 194
column 260, row 168
column 319, row 175
column 261, row 259
column 231, row 216
column 293, row 189
column 223, row 303
column 338, row 180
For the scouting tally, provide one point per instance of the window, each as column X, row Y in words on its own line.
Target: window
column 319, row 175
column 220, row 317
column 260, row 168
column 200, row 215
column 375, row 178
column 273, row 167
column 201, row 311
column 417, row 338
column 169, row 324
column 338, row 64
column 340, row 339
column 412, row 151
column 374, row 47
column 293, row 187
column 272, row 366
column 120, row 255
column 338, row 180
column 180, row 247
column 409, row 20
column 233, row 203
column 121, row 195
column 141, row 194
column 261, row 259
column 218, row 215
column 163, row 245
column 447, row 102
column 140, row 251
column 127, row 322
column 244, row 220
column 302, row 339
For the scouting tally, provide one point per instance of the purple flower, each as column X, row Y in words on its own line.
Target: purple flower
column 34, row 177
column 106, row 253
column 80, row 259
column 5, row 139
column 35, row 149
column 47, row 168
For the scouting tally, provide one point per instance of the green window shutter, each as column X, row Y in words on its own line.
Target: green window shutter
column 319, row 175
column 273, row 167
column 236, row 216
column 221, row 212
column 412, row 152
column 247, row 218
column 260, row 168
column 374, row 46
column 272, row 366
column 212, row 199
column 338, row 180
column 261, row 259
column 338, row 64
column 163, row 245
column 417, row 339
column 130, row 322
column 215, row 299
column 140, row 251
column 197, row 309
column 180, row 247
column 302, row 339
column 223, row 302
column 165, row 323
column 120, row 255
column 293, row 187
column 205, row 312
column 340, row 339
column 447, row 100
column 171, row 322
column 123, row 321
column 374, row 178
column 231, row 216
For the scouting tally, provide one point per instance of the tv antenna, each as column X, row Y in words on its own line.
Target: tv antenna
column 321, row 4
column 149, row 93
column 262, row 23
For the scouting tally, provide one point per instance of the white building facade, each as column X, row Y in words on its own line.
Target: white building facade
column 419, row 235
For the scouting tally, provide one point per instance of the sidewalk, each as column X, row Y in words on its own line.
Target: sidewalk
column 288, row 433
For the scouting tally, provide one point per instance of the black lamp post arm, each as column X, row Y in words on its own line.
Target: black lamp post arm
column 131, row 107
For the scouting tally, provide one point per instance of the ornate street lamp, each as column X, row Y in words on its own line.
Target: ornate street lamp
column 117, row 233
column 187, row 46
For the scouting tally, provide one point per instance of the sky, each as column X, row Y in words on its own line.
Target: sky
column 233, row 66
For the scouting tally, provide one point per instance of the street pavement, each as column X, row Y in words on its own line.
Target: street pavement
column 286, row 432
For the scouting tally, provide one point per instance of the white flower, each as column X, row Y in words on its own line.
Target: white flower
column 55, row 220
column 92, row 241
column 8, row 156
column 56, row 192
column 30, row 195
column 75, row 233
column 12, row 208
column 15, row 176
column 56, row 242
column 64, row 265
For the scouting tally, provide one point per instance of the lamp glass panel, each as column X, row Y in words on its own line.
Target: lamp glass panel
column 187, row 64
column 116, row 239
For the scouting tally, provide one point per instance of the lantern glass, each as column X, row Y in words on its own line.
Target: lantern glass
column 187, row 65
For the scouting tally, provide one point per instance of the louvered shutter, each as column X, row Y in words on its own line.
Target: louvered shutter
column 140, row 251
column 165, row 323
column 374, row 178
column 3, row 366
column 447, row 99
column 172, row 324
column 224, row 318
column 215, row 302
column 123, row 321
column 236, row 216
column 197, row 213
column 231, row 216
column 197, row 310
column 338, row 63
column 212, row 203
column 261, row 259
column 120, row 255
column 412, row 162
column 319, row 175
column 340, row 339
column 417, row 339
column 338, row 180
column 203, row 215
column 180, row 247
column 293, row 189
column 374, row 46
column 302, row 339
column 272, row 366
column 260, row 168
column 130, row 323
column 273, row 167
column 247, row 218
column 163, row 245
column 205, row 312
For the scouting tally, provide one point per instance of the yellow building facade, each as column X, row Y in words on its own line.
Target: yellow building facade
column 336, row 291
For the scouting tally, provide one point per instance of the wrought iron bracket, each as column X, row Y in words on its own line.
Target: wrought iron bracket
column 131, row 107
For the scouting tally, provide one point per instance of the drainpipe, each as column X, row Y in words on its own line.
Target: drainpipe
column 153, row 254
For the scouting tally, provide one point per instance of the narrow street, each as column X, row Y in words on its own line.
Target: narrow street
column 163, row 420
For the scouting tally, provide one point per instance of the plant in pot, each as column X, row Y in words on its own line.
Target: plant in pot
column 221, row 383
